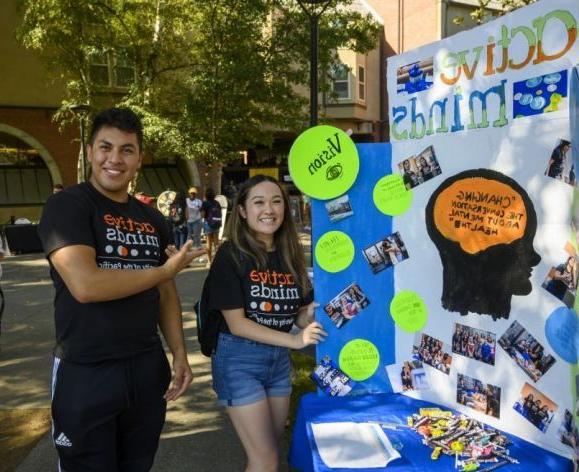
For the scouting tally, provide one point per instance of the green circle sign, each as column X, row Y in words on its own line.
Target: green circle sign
column 390, row 195
column 323, row 162
column 359, row 359
column 408, row 311
column 334, row 251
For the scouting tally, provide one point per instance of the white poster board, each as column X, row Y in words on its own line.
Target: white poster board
column 480, row 131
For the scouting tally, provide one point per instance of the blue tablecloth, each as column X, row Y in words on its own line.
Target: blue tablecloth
column 394, row 408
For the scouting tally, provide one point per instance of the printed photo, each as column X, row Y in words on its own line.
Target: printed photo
column 535, row 407
column 331, row 379
column 485, row 398
column 561, row 281
column 541, row 94
column 415, row 77
column 419, row 169
column 408, row 376
column 346, row 305
column 474, row 343
column 386, row 253
column 560, row 165
column 339, row 208
column 568, row 433
column 433, row 352
column 526, row 351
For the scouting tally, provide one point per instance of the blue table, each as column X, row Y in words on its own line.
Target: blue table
column 394, row 408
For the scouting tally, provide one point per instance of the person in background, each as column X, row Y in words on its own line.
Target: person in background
column 114, row 292
column 251, row 365
column 230, row 191
column 194, row 221
column 178, row 216
column 57, row 188
column 2, row 301
column 211, row 212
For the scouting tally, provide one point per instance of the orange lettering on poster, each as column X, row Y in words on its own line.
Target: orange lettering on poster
column 479, row 213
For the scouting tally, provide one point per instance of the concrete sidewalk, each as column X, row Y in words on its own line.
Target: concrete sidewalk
column 197, row 435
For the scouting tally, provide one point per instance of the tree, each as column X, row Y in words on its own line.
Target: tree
column 210, row 77
column 88, row 43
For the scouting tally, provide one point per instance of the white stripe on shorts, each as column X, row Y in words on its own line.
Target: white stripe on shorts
column 55, row 366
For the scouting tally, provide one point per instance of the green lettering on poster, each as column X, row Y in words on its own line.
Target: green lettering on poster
column 391, row 196
column 334, row 251
column 408, row 311
column 359, row 359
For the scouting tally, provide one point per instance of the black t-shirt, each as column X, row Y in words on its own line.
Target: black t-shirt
column 127, row 235
column 270, row 296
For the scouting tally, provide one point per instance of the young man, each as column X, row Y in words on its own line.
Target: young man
column 194, row 221
column 114, row 286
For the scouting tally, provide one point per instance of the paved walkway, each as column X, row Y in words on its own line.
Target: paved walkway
column 197, row 435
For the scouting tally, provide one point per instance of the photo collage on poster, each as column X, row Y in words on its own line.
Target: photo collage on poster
column 407, row 376
column 561, row 280
column 480, row 345
column 474, row 343
column 330, row 379
column 346, row 305
column 535, row 407
column 484, row 398
column 433, row 352
column 339, row 208
column 385, row 253
column 418, row 169
column 526, row 351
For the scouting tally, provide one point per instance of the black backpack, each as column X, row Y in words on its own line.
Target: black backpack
column 213, row 215
column 208, row 322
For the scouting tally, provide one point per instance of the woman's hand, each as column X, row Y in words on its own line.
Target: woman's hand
column 312, row 334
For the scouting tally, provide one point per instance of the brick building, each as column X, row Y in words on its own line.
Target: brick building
column 35, row 153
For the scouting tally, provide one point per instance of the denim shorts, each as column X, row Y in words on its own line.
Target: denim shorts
column 208, row 229
column 246, row 371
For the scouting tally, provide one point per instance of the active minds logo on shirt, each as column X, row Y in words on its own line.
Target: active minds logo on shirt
column 274, row 298
column 130, row 244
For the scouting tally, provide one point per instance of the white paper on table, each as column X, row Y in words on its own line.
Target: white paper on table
column 353, row 445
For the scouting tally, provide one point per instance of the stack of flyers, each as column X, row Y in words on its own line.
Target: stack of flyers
column 331, row 379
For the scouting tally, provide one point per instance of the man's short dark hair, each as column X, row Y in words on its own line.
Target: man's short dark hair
column 124, row 119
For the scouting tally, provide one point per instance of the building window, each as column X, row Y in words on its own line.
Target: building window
column 340, row 81
column 361, row 83
column 112, row 68
column 24, row 177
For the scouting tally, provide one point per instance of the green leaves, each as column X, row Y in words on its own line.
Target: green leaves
column 209, row 78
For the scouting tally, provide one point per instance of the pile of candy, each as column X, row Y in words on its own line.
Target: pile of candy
column 471, row 442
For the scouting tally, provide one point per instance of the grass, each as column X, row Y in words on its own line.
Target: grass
column 303, row 366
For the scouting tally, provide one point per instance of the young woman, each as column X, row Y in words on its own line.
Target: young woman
column 258, row 281
column 211, row 212
column 178, row 215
